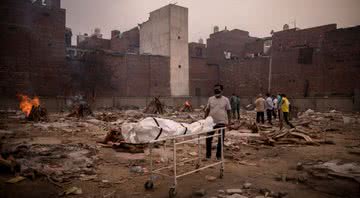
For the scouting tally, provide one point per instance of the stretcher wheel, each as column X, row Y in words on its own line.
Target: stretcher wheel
column 221, row 173
column 149, row 185
column 172, row 192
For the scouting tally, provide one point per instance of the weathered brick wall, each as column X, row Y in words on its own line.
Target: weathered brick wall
column 197, row 50
column 108, row 75
column 334, row 66
column 94, row 43
column 32, row 53
column 202, row 77
column 245, row 78
column 256, row 47
column 341, row 60
column 128, row 42
column 288, row 75
column 233, row 41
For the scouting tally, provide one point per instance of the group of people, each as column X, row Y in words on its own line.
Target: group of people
column 220, row 109
column 274, row 106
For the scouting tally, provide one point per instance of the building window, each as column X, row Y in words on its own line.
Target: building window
column 179, row 66
column 198, row 51
column 306, row 55
column 179, row 37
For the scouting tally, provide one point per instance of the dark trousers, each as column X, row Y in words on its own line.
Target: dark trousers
column 269, row 113
column 236, row 111
column 286, row 118
column 209, row 142
column 274, row 113
column 260, row 116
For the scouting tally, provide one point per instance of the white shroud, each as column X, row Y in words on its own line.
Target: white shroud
column 151, row 128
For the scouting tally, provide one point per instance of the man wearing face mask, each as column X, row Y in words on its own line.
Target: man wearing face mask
column 218, row 107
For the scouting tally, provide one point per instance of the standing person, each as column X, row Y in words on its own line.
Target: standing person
column 285, row 109
column 260, row 108
column 275, row 102
column 269, row 105
column 238, row 106
column 218, row 107
column 235, row 106
column 279, row 97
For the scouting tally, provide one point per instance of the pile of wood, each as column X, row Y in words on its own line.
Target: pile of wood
column 81, row 110
column 293, row 136
column 37, row 114
column 155, row 107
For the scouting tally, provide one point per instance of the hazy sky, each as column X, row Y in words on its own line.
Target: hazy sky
column 258, row 17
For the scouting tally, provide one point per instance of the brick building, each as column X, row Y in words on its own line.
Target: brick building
column 301, row 63
column 319, row 61
column 32, row 53
column 316, row 62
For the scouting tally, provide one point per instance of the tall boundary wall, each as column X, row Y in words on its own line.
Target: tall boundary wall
column 345, row 104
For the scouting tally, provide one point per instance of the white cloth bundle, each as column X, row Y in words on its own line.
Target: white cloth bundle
column 151, row 128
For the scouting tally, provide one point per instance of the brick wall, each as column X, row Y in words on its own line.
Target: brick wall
column 197, row 50
column 108, row 74
column 127, row 42
column 32, row 53
column 202, row 77
column 319, row 61
column 94, row 42
column 233, row 41
column 246, row 77
column 341, row 60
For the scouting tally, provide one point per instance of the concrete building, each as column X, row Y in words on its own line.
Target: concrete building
column 166, row 34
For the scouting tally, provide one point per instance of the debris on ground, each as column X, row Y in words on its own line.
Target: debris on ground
column 67, row 149
column 57, row 161
column 72, row 191
column 81, row 110
column 16, row 179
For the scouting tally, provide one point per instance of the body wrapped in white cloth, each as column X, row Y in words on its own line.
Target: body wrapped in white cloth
column 152, row 128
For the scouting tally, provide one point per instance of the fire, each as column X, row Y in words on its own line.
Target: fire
column 26, row 103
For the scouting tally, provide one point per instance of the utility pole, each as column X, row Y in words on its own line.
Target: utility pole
column 269, row 78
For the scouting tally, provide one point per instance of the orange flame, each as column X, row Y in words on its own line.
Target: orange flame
column 26, row 103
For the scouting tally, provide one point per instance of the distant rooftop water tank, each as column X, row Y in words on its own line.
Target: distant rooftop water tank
column 201, row 41
column 216, row 28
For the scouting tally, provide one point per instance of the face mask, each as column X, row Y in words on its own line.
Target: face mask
column 217, row 92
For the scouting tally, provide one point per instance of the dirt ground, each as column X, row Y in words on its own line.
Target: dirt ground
column 283, row 170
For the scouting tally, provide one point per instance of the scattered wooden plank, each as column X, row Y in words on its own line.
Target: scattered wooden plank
column 306, row 137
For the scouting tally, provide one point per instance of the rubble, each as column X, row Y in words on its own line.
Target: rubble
column 59, row 162
column 16, row 179
column 200, row 193
column 233, row 191
column 81, row 110
column 63, row 159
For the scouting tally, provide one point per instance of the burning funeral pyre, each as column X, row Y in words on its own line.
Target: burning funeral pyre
column 32, row 109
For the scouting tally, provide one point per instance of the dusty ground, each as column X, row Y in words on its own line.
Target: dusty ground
column 106, row 172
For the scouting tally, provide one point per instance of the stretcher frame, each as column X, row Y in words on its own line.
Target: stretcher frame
column 175, row 142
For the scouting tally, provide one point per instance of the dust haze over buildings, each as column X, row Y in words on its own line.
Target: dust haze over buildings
column 258, row 17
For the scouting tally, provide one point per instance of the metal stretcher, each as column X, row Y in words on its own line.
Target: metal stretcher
column 178, row 140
